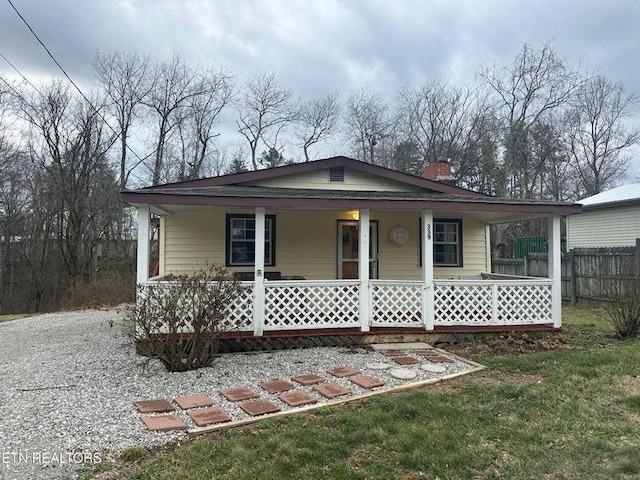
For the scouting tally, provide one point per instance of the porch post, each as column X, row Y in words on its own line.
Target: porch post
column 555, row 258
column 258, row 284
column 142, row 271
column 363, row 270
column 428, row 308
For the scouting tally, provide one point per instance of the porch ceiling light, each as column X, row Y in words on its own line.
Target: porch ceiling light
column 398, row 236
column 355, row 214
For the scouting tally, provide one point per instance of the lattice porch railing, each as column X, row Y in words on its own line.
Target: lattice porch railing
column 239, row 315
column 310, row 305
column 396, row 303
column 482, row 302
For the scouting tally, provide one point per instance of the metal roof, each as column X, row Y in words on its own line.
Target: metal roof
column 624, row 194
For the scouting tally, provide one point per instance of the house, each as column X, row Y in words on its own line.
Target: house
column 609, row 219
column 337, row 245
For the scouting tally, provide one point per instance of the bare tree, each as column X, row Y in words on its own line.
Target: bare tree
column 264, row 109
column 126, row 81
column 69, row 145
column 175, row 84
column 536, row 83
column 367, row 121
column 600, row 137
column 199, row 119
column 441, row 121
column 317, row 121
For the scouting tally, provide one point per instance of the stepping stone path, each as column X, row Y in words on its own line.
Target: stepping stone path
column 403, row 373
column 202, row 410
column 208, row 416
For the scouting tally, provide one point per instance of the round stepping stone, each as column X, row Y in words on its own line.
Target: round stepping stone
column 402, row 373
column 429, row 367
column 378, row 366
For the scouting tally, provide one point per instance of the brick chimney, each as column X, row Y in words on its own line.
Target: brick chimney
column 440, row 171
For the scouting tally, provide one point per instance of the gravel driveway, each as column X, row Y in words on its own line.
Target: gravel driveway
column 68, row 382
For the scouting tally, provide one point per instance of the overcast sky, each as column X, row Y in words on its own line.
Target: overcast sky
column 320, row 46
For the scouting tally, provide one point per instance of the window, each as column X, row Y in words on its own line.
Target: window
column 241, row 240
column 447, row 242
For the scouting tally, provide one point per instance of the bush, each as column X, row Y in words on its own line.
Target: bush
column 624, row 311
column 179, row 321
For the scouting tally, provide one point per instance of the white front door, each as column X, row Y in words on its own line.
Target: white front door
column 348, row 242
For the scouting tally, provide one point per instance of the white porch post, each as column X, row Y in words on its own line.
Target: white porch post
column 363, row 270
column 555, row 258
column 144, row 220
column 428, row 310
column 258, row 287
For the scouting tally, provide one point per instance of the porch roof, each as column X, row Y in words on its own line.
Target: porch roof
column 254, row 196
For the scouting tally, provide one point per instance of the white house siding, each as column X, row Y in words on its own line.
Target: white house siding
column 615, row 226
column 306, row 243
column 353, row 180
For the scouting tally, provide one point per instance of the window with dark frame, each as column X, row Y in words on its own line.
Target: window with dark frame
column 241, row 243
column 447, row 242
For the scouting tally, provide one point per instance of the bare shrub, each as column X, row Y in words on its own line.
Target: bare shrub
column 179, row 321
column 623, row 312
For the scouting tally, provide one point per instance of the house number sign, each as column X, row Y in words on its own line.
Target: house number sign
column 428, row 231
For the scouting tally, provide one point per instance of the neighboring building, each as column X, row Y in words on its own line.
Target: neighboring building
column 338, row 245
column 608, row 219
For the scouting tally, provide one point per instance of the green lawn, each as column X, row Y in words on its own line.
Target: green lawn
column 563, row 413
column 8, row 318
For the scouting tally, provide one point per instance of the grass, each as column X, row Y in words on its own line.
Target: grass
column 8, row 318
column 566, row 413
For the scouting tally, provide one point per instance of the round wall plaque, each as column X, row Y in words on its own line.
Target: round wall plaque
column 398, row 236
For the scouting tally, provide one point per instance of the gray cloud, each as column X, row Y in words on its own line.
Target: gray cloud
column 326, row 45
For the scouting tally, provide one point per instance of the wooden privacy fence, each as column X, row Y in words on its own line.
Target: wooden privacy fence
column 587, row 273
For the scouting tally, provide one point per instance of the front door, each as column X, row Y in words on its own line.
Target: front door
column 348, row 249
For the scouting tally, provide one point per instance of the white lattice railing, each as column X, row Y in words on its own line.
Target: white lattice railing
column 310, row 304
column 305, row 304
column 493, row 302
column 239, row 313
column 396, row 303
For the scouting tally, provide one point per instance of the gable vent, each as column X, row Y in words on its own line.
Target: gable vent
column 336, row 174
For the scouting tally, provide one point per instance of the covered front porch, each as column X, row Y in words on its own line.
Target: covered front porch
column 287, row 300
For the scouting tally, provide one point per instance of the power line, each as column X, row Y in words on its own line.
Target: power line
column 118, row 134
column 26, row 102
